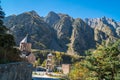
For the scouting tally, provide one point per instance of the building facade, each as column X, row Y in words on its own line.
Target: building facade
column 49, row 63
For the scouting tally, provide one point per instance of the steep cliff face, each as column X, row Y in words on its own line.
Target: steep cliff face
column 64, row 30
column 118, row 31
column 62, row 26
column 16, row 71
column 72, row 34
column 82, row 37
column 52, row 18
column 104, row 28
column 98, row 21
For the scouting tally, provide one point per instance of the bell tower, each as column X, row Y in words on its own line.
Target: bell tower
column 49, row 63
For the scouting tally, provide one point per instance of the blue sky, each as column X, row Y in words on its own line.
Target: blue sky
column 75, row 8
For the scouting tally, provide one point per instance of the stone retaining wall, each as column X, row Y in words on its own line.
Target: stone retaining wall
column 16, row 71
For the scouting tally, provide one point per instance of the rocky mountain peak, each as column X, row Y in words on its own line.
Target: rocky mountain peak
column 110, row 22
column 93, row 22
column 63, row 15
column 79, row 22
column 34, row 13
column 103, row 28
column 52, row 18
column 52, row 13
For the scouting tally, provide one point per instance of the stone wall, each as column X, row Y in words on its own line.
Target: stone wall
column 16, row 71
column 66, row 68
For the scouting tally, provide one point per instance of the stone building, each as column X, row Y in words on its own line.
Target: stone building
column 25, row 49
column 49, row 63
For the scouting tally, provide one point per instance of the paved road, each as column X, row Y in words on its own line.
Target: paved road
column 41, row 75
column 45, row 79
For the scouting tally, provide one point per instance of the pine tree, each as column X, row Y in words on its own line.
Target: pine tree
column 104, row 62
column 100, row 64
column 6, row 42
column 3, row 29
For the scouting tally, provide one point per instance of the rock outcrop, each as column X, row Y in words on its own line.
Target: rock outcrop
column 52, row 18
column 104, row 28
column 82, row 37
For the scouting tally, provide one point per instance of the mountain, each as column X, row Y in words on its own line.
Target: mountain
column 52, row 18
column 104, row 28
column 61, row 32
column 40, row 33
column 72, row 34
column 82, row 37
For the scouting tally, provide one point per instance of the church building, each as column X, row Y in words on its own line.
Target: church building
column 26, row 52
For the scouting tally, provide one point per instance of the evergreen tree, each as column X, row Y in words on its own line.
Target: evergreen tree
column 100, row 64
column 104, row 62
column 6, row 42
